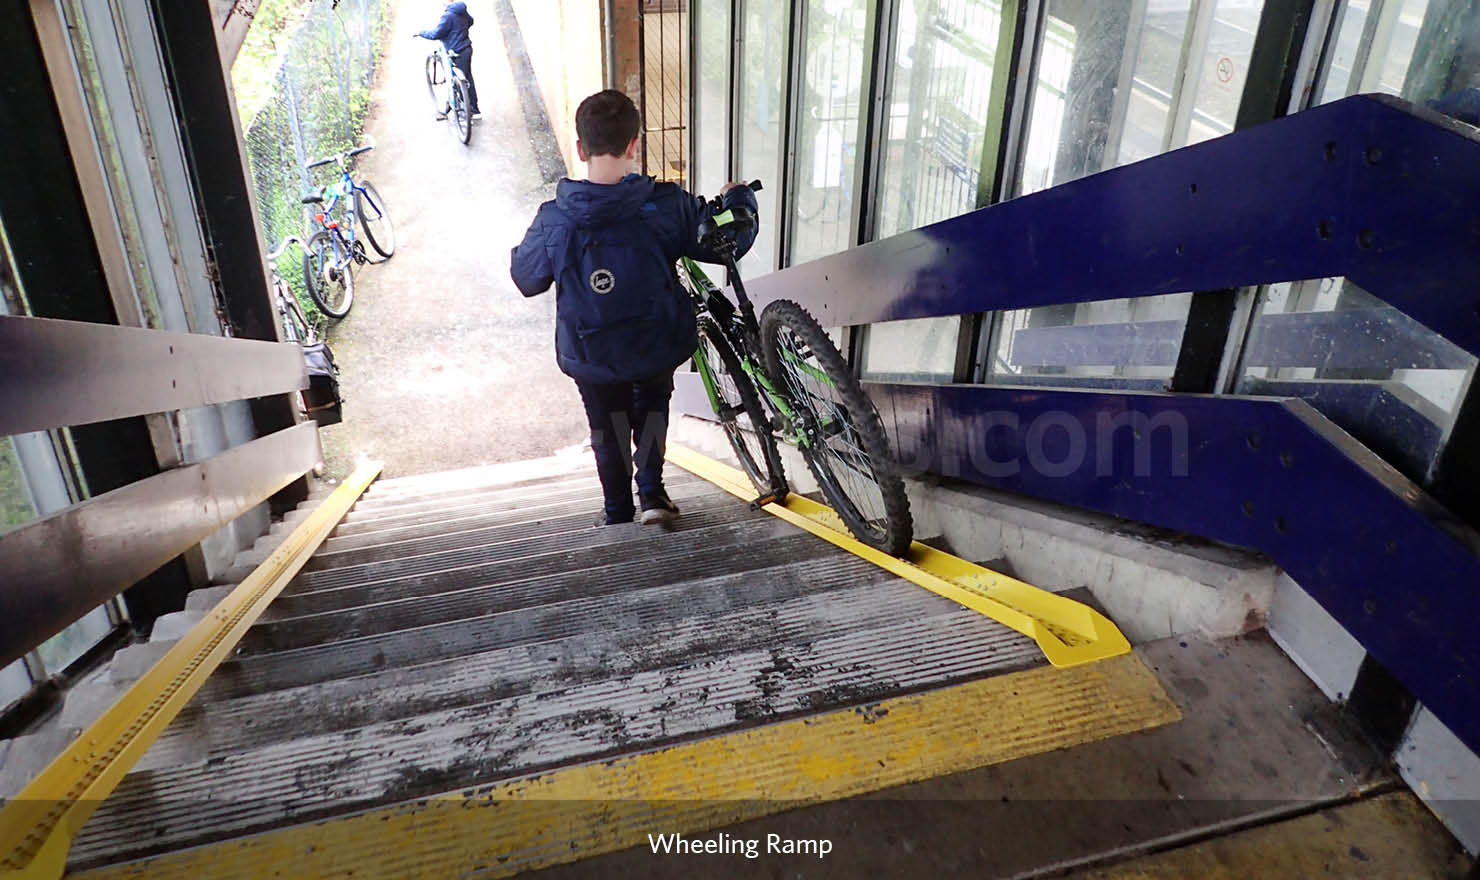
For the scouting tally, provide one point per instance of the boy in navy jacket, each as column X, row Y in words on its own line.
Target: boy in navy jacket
column 452, row 30
column 623, row 322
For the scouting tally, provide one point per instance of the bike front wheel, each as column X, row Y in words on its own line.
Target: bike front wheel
column 375, row 220
column 436, row 80
column 461, row 113
column 841, row 435
column 327, row 264
column 738, row 406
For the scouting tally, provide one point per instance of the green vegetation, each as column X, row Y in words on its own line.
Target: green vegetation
column 15, row 500
column 303, row 81
column 256, row 65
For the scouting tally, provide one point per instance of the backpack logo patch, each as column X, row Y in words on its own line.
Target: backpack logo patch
column 602, row 281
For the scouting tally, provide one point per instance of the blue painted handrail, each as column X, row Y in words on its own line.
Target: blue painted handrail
column 1370, row 188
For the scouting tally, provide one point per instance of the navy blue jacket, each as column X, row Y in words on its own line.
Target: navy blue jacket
column 552, row 245
column 452, row 30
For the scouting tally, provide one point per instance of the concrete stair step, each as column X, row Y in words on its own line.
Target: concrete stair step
column 800, row 604
column 430, row 601
column 497, row 528
column 564, row 551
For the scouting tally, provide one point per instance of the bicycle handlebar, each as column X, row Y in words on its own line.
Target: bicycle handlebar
column 340, row 157
column 278, row 251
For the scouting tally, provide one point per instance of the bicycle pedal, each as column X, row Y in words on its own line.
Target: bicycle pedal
column 768, row 498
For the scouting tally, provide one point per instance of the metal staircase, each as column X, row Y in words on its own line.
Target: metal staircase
column 468, row 677
column 448, row 637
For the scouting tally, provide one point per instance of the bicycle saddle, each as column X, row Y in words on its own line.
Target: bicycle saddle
column 314, row 199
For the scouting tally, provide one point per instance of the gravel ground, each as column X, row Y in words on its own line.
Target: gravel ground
column 443, row 364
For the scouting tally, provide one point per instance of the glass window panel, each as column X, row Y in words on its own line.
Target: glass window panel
column 14, row 682
column 1148, row 111
column 66, row 646
column 1393, row 47
column 1346, row 47
column 1081, row 70
column 1046, row 128
column 828, row 129
column 931, row 165
column 763, row 70
column 921, row 350
column 1383, row 377
column 1223, row 69
column 712, row 67
column 1127, row 341
column 938, row 109
column 1400, row 47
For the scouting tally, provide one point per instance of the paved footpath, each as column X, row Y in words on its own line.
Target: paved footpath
column 443, row 364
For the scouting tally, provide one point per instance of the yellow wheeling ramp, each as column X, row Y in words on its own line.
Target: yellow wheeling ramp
column 1069, row 633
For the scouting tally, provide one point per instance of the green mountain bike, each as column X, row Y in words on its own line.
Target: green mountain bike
column 782, row 376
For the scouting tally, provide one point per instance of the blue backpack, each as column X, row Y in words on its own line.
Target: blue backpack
column 622, row 315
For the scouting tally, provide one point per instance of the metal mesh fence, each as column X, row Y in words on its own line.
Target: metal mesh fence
column 317, row 107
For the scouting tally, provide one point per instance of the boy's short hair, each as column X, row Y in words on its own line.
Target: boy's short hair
column 606, row 123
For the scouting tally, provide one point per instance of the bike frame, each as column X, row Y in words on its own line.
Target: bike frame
column 736, row 331
column 343, row 189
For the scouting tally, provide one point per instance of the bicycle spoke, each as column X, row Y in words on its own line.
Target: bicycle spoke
column 749, row 438
column 848, row 461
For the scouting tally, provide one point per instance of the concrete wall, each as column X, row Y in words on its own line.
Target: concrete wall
column 1152, row 587
column 563, row 39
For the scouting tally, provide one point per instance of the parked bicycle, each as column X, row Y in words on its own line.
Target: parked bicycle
column 321, row 400
column 334, row 249
column 808, row 389
column 296, row 326
column 449, row 91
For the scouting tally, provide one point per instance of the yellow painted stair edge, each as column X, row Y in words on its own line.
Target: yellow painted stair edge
column 38, row 825
column 569, row 813
column 1069, row 633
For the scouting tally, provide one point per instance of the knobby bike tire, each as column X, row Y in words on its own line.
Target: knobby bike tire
column 322, row 258
column 375, row 220
column 846, row 448
column 462, row 115
column 752, row 440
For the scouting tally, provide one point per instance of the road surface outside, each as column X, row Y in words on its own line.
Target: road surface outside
column 443, row 363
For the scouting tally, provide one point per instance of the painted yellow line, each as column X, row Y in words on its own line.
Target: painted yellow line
column 38, row 825
column 1069, row 633
column 605, row 806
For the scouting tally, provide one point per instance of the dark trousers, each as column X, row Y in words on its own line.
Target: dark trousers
column 464, row 62
column 623, row 415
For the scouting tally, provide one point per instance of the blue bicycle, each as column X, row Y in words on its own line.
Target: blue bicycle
column 333, row 249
